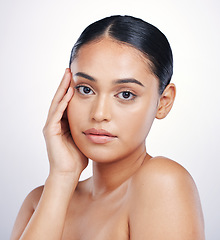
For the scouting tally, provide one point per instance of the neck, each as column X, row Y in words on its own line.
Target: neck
column 108, row 176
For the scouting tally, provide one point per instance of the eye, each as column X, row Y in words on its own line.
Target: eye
column 126, row 95
column 84, row 90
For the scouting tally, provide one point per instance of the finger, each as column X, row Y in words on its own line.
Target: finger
column 58, row 114
column 61, row 91
column 63, row 86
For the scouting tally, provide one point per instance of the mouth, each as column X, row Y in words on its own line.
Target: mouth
column 99, row 136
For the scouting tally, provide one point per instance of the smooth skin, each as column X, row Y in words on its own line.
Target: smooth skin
column 131, row 195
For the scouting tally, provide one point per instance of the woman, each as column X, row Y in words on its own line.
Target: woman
column 117, row 83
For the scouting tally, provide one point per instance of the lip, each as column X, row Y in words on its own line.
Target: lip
column 99, row 136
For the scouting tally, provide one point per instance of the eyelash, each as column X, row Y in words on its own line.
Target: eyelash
column 133, row 96
column 81, row 88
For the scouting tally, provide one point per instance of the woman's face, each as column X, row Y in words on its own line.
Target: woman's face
column 115, row 100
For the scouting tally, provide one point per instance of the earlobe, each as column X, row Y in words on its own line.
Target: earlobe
column 166, row 101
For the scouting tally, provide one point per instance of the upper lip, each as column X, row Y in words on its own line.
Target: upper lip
column 100, row 132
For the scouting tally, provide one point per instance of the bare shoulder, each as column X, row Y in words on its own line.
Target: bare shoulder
column 26, row 211
column 161, row 168
column 165, row 199
column 34, row 196
column 31, row 201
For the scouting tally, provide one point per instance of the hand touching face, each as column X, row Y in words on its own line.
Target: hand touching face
column 115, row 102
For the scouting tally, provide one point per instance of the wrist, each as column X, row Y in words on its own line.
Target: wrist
column 65, row 174
column 60, row 187
column 63, row 177
column 62, row 182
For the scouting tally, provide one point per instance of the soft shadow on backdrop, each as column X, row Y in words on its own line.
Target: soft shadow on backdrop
column 36, row 39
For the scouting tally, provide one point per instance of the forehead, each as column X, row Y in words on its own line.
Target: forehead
column 112, row 59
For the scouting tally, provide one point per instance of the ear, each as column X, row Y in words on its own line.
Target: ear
column 166, row 101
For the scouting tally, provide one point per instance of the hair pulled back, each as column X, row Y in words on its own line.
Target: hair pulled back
column 137, row 33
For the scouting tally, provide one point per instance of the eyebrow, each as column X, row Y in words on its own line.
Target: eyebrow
column 84, row 75
column 129, row 80
column 119, row 81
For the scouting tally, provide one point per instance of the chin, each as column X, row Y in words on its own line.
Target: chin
column 102, row 156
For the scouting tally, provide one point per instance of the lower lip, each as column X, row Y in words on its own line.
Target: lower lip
column 99, row 139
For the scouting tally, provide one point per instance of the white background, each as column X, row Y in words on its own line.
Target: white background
column 36, row 38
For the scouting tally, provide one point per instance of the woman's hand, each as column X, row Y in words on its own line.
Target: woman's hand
column 66, row 164
column 64, row 156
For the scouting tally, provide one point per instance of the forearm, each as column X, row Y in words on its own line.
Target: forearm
column 48, row 219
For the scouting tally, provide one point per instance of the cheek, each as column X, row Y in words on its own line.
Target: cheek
column 137, row 122
column 76, row 114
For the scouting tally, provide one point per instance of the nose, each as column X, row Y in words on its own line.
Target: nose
column 101, row 109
